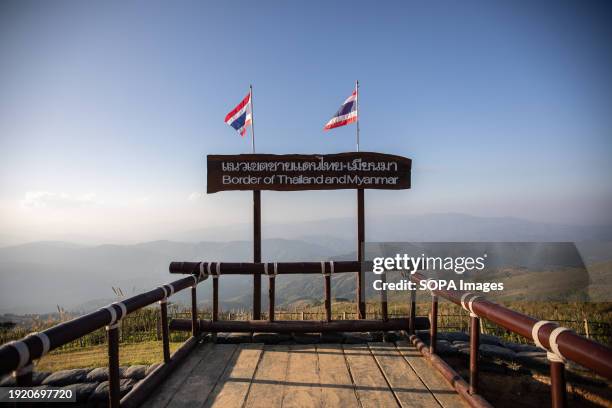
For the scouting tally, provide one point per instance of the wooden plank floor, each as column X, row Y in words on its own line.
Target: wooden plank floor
column 322, row 375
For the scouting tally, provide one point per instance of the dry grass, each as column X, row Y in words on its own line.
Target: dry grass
column 147, row 352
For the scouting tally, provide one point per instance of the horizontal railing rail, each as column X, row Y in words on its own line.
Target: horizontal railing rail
column 299, row 326
column 264, row 268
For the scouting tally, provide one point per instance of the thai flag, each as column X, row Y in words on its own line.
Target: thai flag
column 346, row 114
column 240, row 117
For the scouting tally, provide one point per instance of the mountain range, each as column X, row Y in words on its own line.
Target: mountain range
column 38, row 276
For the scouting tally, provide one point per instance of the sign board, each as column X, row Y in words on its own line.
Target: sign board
column 294, row 172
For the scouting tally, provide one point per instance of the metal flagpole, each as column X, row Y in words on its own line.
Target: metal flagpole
column 361, row 307
column 357, row 109
column 256, row 228
column 253, row 120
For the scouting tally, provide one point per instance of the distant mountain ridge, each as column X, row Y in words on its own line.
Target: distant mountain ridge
column 429, row 227
column 37, row 276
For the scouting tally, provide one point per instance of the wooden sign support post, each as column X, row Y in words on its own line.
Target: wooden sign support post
column 257, row 254
column 360, row 254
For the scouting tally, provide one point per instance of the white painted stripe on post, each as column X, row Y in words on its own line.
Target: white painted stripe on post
column 552, row 340
column 113, row 313
column 534, row 332
column 471, row 307
column 463, row 297
column 123, row 309
column 44, row 339
column 22, row 350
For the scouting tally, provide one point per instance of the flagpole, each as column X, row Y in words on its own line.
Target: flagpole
column 357, row 108
column 252, row 120
column 361, row 306
column 256, row 227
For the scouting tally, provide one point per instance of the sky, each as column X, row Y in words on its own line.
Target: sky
column 108, row 109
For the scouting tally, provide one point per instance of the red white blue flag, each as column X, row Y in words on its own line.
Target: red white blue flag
column 346, row 114
column 240, row 117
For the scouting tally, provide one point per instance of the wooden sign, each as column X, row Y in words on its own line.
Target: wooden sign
column 293, row 172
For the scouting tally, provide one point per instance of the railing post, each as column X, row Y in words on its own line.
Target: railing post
column 113, row 365
column 557, row 381
column 383, row 299
column 256, row 254
column 165, row 335
column 474, row 351
column 433, row 329
column 194, row 311
column 327, row 290
column 412, row 311
column 328, row 315
column 23, row 376
column 271, row 297
column 215, row 285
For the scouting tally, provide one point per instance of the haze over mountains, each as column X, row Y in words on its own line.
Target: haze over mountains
column 38, row 276
column 429, row 227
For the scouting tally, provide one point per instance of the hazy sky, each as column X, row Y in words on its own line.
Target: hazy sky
column 108, row 109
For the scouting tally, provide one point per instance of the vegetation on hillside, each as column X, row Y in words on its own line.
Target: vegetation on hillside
column 593, row 320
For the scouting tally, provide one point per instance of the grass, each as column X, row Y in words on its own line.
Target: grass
column 140, row 336
column 146, row 352
column 453, row 318
column 140, row 326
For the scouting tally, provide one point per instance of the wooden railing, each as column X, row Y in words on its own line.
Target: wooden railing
column 272, row 270
column 18, row 356
column 561, row 343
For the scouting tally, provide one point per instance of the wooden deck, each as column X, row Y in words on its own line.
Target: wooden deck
column 321, row 375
